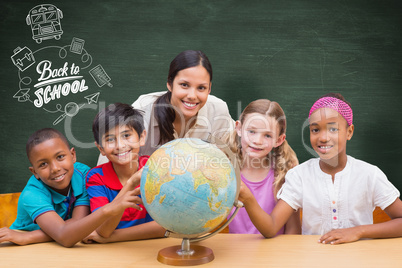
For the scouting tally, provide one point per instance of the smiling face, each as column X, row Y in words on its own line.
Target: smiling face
column 329, row 133
column 259, row 135
column 53, row 163
column 190, row 89
column 121, row 145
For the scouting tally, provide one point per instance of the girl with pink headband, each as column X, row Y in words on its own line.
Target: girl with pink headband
column 337, row 192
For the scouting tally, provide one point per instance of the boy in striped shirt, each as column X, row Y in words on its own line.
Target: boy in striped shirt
column 119, row 133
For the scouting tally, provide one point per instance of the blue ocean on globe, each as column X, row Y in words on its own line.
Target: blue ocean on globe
column 188, row 186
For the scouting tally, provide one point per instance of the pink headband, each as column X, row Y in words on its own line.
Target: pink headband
column 336, row 104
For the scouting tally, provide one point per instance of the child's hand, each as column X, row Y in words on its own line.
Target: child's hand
column 127, row 200
column 339, row 236
column 8, row 235
column 134, row 180
column 245, row 193
column 94, row 237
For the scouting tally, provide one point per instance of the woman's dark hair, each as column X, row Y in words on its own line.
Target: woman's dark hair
column 163, row 110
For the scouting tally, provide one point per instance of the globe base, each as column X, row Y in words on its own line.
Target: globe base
column 171, row 256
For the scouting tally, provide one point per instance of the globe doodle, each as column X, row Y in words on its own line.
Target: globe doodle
column 188, row 186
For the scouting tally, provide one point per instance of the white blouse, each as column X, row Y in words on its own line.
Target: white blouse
column 347, row 202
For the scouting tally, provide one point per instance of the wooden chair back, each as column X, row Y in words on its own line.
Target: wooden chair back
column 8, row 208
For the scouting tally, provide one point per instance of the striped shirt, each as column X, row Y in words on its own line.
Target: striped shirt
column 103, row 185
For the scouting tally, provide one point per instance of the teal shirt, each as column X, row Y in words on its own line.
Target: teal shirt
column 37, row 198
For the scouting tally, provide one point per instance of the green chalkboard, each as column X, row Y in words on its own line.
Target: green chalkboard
column 113, row 51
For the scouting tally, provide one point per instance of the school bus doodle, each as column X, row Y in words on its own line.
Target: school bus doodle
column 45, row 22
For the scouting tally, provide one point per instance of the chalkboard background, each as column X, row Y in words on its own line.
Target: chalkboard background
column 288, row 51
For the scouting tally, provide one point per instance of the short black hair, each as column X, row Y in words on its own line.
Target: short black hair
column 115, row 115
column 42, row 135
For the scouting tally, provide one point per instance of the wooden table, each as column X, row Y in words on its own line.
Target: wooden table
column 230, row 250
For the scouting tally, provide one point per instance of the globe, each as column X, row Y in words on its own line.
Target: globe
column 189, row 186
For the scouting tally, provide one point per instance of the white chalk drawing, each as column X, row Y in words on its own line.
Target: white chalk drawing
column 77, row 45
column 23, row 58
column 93, row 98
column 100, row 76
column 25, row 81
column 58, row 109
column 71, row 109
column 45, row 22
column 52, row 83
column 85, row 58
column 22, row 95
column 51, row 87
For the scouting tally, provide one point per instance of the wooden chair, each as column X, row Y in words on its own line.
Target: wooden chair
column 379, row 215
column 8, row 208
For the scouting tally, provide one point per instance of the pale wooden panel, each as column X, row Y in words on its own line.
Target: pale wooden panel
column 230, row 250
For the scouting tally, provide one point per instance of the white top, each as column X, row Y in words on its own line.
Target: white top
column 212, row 119
column 347, row 202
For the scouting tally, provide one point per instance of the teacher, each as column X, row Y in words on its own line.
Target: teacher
column 186, row 109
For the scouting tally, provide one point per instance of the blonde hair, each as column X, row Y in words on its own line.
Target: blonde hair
column 281, row 158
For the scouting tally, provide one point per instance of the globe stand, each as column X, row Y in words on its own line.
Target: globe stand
column 184, row 255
